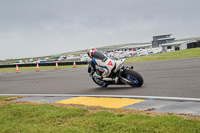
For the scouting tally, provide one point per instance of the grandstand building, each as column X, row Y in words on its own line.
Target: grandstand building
column 162, row 39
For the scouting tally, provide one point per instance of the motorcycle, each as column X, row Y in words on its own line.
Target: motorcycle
column 120, row 75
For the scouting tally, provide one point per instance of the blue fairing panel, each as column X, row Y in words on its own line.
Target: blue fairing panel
column 94, row 61
column 99, row 65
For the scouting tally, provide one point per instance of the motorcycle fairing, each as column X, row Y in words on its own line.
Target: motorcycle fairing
column 104, row 65
column 119, row 63
column 99, row 61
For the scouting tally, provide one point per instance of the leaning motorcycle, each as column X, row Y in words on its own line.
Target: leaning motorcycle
column 120, row 75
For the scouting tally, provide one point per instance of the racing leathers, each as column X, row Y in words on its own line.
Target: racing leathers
column 103, row 63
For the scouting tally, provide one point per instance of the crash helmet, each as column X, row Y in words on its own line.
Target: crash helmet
column 91, row 51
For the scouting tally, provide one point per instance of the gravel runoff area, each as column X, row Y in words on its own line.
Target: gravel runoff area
column 161, row 106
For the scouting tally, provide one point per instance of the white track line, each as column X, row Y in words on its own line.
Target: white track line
column 116, row 96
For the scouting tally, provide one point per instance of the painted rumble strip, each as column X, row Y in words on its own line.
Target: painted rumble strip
column 102, row 101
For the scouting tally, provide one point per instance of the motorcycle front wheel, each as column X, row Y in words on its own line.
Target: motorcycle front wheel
column 133, row 76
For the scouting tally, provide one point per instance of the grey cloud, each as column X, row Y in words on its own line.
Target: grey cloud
column 45, row 27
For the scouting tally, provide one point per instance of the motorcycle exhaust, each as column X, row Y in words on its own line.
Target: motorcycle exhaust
column 107, row 79
column 103, row 79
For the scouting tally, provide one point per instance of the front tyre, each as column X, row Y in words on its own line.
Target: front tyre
column 133, row 76
column 100, row 83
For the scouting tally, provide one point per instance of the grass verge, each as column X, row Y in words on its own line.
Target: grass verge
column 34, row 68
column 29, row 117
column 9, row 98
column 188, row 53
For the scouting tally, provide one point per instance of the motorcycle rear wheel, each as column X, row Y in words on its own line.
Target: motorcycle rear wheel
column 133, row 76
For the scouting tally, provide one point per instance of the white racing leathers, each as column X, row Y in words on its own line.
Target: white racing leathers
column 103, row 63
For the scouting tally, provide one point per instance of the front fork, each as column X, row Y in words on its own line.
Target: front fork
column 124, row 80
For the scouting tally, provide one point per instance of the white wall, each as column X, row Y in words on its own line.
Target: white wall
column 183, row 46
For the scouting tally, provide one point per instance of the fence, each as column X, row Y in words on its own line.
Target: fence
column 45, row 64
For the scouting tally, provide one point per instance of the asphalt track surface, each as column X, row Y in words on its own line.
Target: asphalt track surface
column 170, row 78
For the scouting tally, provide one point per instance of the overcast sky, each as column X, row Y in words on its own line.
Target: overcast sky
column 31, row 28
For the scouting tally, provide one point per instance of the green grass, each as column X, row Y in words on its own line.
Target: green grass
column 188, row 53
column 8, row 98
column 34, row 68
column 3, row 98
column 20, row 117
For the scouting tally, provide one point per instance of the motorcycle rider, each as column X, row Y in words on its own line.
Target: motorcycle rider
column 100, row 61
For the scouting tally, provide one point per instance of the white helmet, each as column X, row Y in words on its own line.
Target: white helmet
column 91, row 51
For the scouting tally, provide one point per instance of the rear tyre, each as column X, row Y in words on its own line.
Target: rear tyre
column 100, row 83
column 134, row 77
